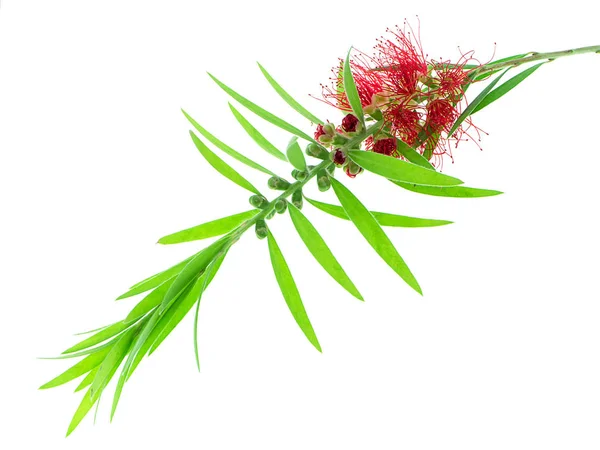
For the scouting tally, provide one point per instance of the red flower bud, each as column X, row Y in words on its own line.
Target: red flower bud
column 338, row 157
column 349, row 123
column 320, row 132
column 385, row 146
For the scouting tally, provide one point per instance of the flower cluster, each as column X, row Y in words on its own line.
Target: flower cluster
column 418, row 99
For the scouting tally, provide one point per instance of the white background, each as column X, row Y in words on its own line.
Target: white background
column 501, row 352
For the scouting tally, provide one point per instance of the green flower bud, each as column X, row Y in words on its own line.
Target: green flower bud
column 259, row 201
column 297, row 199
column 299, row 175
column 278, row 183
column 329, row 129
column 280, row 206
column 323, row 181
column 338, row 139
column 261, row 229
column 316, row 151
column 325, row 139
column 331, row 169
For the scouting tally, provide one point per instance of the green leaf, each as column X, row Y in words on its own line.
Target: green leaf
column 295, row 155
column 226, row 148
column 498, row 61
column 103, row 376
column 384, row 219
column 256, row 136
column 101, row 336
column 288, row 98
column 207, row 276
column 505, row 87
column 448, row 191
column 194, row 269
column 395, row 169
column 264, row 114
column 112, row 361
column 209, row 229
column 412, row 155
column 351, row 91
column 149, row 302
column 82, row 367
column 319, row 249
column 175, row 314
column 469, row 110
column 139, row 340
column 290, row 291
column 155, row 280
column 372, row 232
column 88, row 379
column 221, row 166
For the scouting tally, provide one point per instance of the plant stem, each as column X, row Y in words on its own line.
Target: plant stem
column 237, row 233
column 535, row 56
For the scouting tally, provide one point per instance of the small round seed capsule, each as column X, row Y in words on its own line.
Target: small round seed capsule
column 280, row 206
column 278, row 183
column 259, row 201
column 323, row 181
column 299, row 175
column 297, row 200
column 261, row 229
column 316, row 151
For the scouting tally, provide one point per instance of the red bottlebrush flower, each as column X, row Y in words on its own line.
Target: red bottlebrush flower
column 349, row 123
column 319, row 132
column 419, row 98
column 385, row 146
column 339, row 158
column 441, row 114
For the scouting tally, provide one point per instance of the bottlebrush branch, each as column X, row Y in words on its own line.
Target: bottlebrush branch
column 403, row 113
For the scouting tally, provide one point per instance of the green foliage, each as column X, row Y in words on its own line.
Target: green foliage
column 319, row 249
column 398, row 170
column 290, row 291
column 209, row 229
column 351, row 91
column 295, row 155
column 448, row 191
column 372, row 232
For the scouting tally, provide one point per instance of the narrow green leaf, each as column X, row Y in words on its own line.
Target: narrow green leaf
column 209, row 229
column 207, row 276
column 88, row 379
column 101, row 336
column 264, row 114
column 221, row 166
column 372, row 232
column 149, row 302
column 351, row 91
column 412, row 155
column 295, row 154
column 505, row 87
column 290, row 291
column 178, row 311
column 226, row 148
column 139, row 340
column 498, row 61
column 82, row 367
column 448, row 191
column 288, row 98
column 103, row 376
column 256, row 135
column 469, row 110
column 395, row 169
column 319, row 249
column 193, row 270
column 155, row 280
column 384, row 219
column 112, row 361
